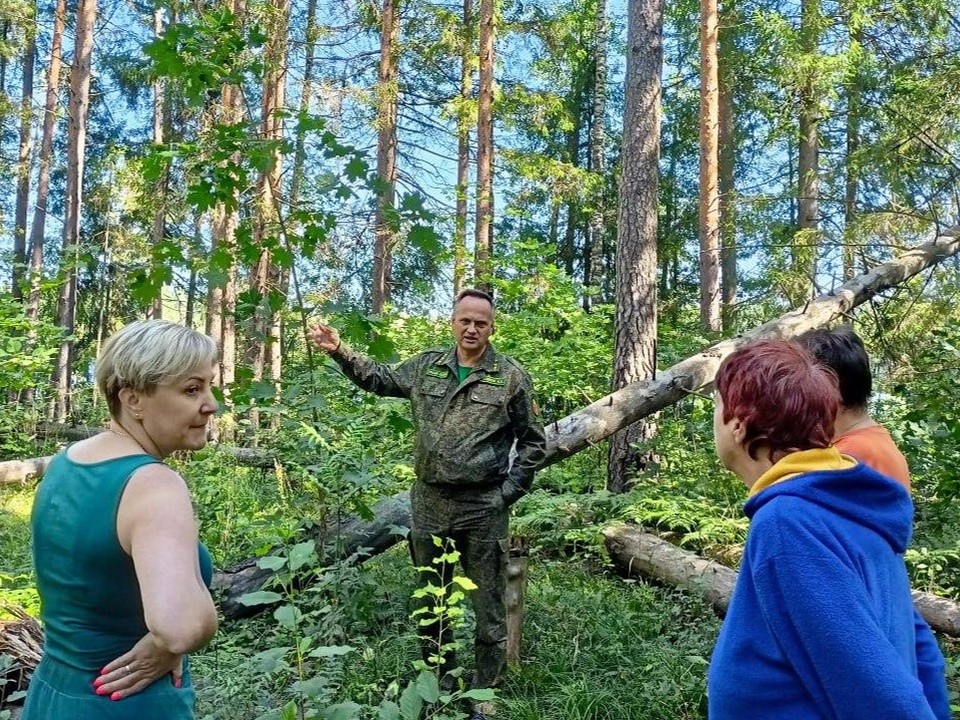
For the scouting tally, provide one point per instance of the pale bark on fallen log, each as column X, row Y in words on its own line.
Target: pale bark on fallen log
column 640, row 553
column 244, row 456
column 23, row 471
column 26, row 471
column 636, row 401
column 351, row 538
column 633, row 402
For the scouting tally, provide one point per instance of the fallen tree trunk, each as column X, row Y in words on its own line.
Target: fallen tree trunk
column 351, row 538
column 636, row 401
column 23, row 471
column 245, row 456
column 633, row 402
column 26, row 471
column 640, row 553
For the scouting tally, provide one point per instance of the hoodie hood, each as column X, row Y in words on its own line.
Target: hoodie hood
column 858, row 493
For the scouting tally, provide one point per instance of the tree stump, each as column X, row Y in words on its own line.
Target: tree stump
column 515, row 595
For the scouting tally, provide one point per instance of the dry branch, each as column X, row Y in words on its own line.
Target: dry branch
column 21, row 639
column 640, row 553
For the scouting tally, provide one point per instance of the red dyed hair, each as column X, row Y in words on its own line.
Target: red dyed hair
column 784, row 398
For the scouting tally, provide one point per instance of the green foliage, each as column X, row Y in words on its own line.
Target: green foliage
column 22, row 362
column 212, row 50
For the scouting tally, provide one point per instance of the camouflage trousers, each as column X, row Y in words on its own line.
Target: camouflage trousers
column 477, row 521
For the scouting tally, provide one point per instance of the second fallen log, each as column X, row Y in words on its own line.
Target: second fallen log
column 639, row 553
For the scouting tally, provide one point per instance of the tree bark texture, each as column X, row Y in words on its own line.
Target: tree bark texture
column 159, row 229
column 44, row 161
column 851, row 180
column 709, row 161
column 23, row 170
column 222, row 290
column 76, row 150
column 464, row 124
column 808, row 155
column 265, row 275
column 594, row 261
column 483, row 249
column 306, row 90
column 387, row 101
column 515, row 596
column 639, row 553
column 636, row 262
column 726, row 173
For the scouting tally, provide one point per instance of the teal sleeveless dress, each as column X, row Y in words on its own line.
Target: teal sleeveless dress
column 90, row 598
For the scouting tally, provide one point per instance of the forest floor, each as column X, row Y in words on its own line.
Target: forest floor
column 595, row 646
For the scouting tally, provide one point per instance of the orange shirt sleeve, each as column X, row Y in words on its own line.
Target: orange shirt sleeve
column 873, row 446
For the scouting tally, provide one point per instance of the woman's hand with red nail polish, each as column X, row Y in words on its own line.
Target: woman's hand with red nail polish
column 134, row 671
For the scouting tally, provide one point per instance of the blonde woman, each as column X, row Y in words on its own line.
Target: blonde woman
column 121, row 575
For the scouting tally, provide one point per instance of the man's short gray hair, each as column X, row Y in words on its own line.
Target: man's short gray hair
column 148, row 353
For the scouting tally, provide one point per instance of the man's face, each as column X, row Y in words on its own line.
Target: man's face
column 472, row 324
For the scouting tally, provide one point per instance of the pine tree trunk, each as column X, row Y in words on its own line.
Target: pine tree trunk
column 4, row 35
column 483, row 250
column 222, row 290
column 568, row 251
column 23, row 169
column 709, row 195
column 76, row 146
column 265, row 275
column 851, row 181
column 593, row 268
column 306, row 90
column 635, row 331
column 38, row 227
column 728, row 158
column 463, row 151
column 190, row 311
column 387, row 91
column 105, row 298
column 160, row 197
column 808, row 157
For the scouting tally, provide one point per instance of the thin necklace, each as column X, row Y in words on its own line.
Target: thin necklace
column 131, row 437
column 121, row 434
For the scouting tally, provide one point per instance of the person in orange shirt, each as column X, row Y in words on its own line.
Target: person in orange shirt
column 860, row 436
column 855, row 432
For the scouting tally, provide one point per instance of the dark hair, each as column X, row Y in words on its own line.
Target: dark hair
column 473, row 292
column 842, row 351
column 784, row 398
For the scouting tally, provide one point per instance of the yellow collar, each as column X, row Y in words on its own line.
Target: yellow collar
column 800, row 462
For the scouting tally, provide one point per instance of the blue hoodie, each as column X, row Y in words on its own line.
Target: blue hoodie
column 821, row 623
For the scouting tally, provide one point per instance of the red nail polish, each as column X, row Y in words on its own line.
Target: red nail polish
column 98, row 682
column 103, row 671
column 101, row 691
column 178, row 683
column 115, row 696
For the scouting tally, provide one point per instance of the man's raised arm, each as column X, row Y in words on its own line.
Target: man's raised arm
column 365, row 372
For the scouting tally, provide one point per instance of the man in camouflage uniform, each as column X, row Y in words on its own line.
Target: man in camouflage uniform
column 470, row 405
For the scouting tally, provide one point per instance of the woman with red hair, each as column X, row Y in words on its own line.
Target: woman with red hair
column 821, row 620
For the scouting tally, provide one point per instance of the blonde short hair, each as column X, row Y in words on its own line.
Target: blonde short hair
column 149, row 353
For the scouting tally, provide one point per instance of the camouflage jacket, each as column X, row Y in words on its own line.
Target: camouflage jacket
column 464, row 432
